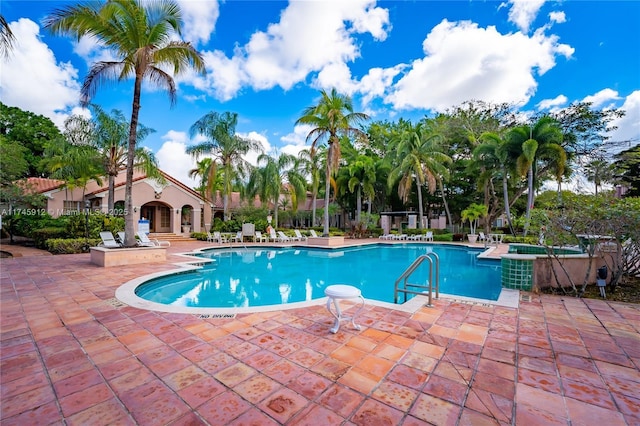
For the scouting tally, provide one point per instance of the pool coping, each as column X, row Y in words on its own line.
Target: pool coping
column 126, row 292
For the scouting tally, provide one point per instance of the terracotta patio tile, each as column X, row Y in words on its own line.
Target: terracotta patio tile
column 44, row 414
column 497, row 385
column 587, row 393
column 199, row 352
column 77, row 383
column 531, row 415
column 305, row 357
column 399, row 341
column 495, row 354
column 359, row 380
column 283, row 405
column 428, row 349
column 499, row 369
column 453, row 372
column 419, row 362
column 84, row 399
column 201, row 391
column 331, row 368
column 23, row 384
column 256, row 388
column 473, row 418
column 109, row 412
column 585, row 413
column 184, row 377
column 168, row 365
column 216, row 362
column 547, row 382
column 119, row 367
column 629, row 406
column 395, row 395
column 582, row 376
column 261, row 360
column 316, row 415
column 376, row 413
column 223, row 408
column 490, row 404
column 324, row 346
column 389, row 352
column 446, row 389
column 375, row 366
column 253, row 417
column 26, row 401
column 543, row 365
column 309, row 385
column 341, row 400
column 546, row 401
column 443, row 331
column 408, row 376
column 235, row 374
column 133, row 379
column 435, row 410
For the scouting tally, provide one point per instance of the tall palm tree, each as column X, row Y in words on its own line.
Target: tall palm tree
column 359, row 177
column 226, row 149
column 111, row 134
column 541, row 153
column 332, row 117
column 419, row 157
column 142, row 36
column 310, row 166
column 275, row 175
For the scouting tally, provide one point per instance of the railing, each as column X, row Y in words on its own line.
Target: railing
column 409, row 288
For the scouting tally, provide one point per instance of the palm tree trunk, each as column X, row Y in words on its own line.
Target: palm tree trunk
column 505, row 194
column 327, row 189
column 313, row 214
column 529, row 200
column 130, row 239
column 446, row 205
column 110, row 196
column 358, row 205
column 420, row 213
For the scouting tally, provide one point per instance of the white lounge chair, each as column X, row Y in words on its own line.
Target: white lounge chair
column 272, row 236
column 283, row 238
column 428, row 236
column 386, row 237
column 313, row 233
column 237, row 238
column 108, row 240
column 260, row 238
column 145, row 241
column 299, row 235
column 121, row 237
column 210, row 237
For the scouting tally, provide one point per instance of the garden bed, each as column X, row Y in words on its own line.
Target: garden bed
column 106, row 257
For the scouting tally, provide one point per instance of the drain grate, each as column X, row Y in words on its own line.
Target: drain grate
column 525, row 297
column 215, row 316
column 115, row 303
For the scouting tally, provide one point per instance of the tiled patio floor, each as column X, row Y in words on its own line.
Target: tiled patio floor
column 70, row 354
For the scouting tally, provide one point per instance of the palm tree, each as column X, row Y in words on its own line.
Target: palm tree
column 599, row 171
column 498, row 158
column 141, row 35
column 226, row 148
column 275, row 175
column 6, row 37
column 419, row 157
column 331, row 118
column 539, row 143
column 111, row 134
column 359, row 177
column 473, row 213
column 310, row 165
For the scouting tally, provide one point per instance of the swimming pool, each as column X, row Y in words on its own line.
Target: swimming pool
column 264, row 276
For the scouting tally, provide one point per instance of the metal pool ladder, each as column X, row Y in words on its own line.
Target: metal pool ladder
column 402, row 286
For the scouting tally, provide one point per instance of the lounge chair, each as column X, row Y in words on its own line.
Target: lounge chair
column 481, row 236
column 218, row 238
column 428, row 236
column 210, row 237
column 272, row 236
column 260, row 238
column 237, row 238
column 108, row 240
column 283, row 238
column 145, row 241
column 386, row 237
column 313, row 233
column 120, row 236
column 299, row 235
column 415, row 237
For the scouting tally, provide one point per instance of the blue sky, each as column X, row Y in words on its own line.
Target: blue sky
column 267, row 61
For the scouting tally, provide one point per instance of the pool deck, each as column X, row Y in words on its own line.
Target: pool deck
column 71, row 353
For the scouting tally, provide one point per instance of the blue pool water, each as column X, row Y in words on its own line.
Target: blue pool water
column 260, row 276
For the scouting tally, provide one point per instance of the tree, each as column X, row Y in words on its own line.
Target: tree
column 275, row 175
column 310, row 165
column 226, row 148
column 418, row 157
column 473, row 213
column 142, row 36
column 358, row 177
column 628, row 170
column 599, row 171
column 332, row 117
column 7, row 39
column 540, row 144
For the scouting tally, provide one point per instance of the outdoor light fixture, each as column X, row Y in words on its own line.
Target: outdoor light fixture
column 177, row 211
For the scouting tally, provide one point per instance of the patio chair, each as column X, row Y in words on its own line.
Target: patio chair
column 237, row 238
column 283, row 238
column 428, row 236
column 210, row 237
column 120, row 237
column 313, row 233
column 145, row 241
column 108, row 240
column 481, row 236
column 386, row 237
column 299, row 235
column 260, row 238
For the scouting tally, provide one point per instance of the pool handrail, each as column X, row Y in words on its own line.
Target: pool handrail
column 431, row 256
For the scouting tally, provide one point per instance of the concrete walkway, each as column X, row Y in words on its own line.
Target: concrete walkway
column 72, row 354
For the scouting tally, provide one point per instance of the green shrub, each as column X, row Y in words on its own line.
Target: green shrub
column 201, row 236
column 442, row 237
column 40, row 236
column 70, row 245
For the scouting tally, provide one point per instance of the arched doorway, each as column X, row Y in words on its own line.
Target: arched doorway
column 159, row 216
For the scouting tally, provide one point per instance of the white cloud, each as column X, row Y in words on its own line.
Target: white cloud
column 33, row 80
column 524, row 12
column 552, row 103
column 296, row 141
column 252, row 156
column 310, row 37
column 200, row 19
column 465, row 62
column 629, row 125
column 604, row 98
column 173, row 159
column 557, row 17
